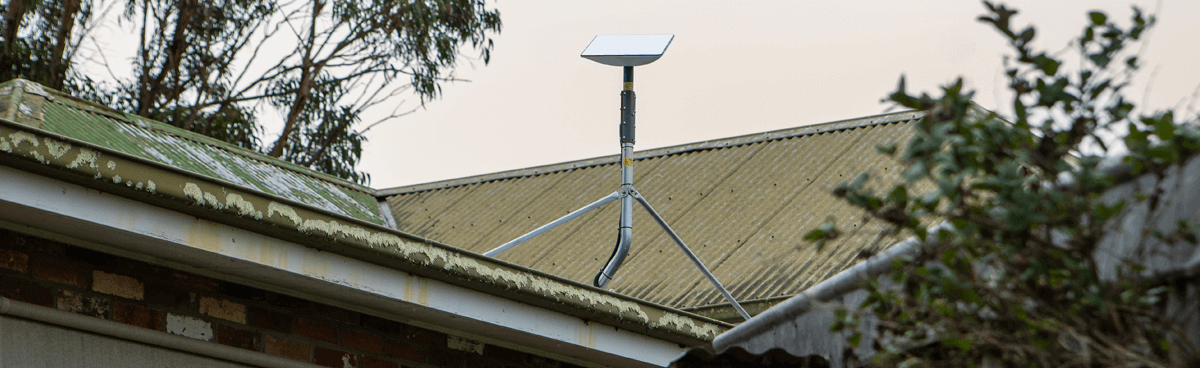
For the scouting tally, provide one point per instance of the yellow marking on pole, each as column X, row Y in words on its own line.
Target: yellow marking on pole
column 628, row 86
column 627, row 162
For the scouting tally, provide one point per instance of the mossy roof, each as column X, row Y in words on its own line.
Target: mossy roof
column 154, row 141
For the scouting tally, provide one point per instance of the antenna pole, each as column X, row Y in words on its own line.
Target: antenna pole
column 625, row 225
column 626, row 51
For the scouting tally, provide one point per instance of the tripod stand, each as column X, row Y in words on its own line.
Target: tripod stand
column 627, row 194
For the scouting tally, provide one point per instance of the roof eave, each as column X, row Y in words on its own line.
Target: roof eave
column 44, row 153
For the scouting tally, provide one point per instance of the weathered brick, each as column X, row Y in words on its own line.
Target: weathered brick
column 14, row 260
column 137, row 315
column 119, row 285
column 335, row 313
column 334, row 358
column 287, row 349
column 230, row 336
column 464, row 344
column 60, row 273
column 369, row 362
column 189, row 326
column 26, row 291
column 383, row 325
column 85, row 305
column 271, row 320
column 223, row 309
column 307, row 328
column 31, row 245
column 362, row 341
column 404, row 350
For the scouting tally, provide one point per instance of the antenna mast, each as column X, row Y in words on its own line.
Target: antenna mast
column 626, row 51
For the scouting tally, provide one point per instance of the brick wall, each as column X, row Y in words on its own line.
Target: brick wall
column 51, row 274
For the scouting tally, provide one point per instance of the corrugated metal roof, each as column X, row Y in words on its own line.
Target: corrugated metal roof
column 742, row 204
column 154, row 141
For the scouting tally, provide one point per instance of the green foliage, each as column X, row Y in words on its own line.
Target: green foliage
column 44, row 55
column 1013, row 281
column 204, row 66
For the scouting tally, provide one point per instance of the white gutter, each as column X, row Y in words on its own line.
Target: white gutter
column 107, row 221
column 840, row 284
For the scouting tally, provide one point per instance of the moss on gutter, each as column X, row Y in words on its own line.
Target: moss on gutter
column 45, row 153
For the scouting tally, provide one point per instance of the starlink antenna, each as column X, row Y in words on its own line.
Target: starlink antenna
column 626, row 51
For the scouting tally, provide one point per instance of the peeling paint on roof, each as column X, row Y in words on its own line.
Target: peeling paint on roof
column 86, row 157
column 742, row 204
column 22, row 137
column 57, row 149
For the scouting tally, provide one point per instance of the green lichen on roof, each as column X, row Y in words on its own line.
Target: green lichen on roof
column 60, row 113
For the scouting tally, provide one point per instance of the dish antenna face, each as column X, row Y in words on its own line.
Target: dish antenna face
column 627, row 50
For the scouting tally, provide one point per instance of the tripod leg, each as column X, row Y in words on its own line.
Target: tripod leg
column 692, row 256
column 561, row 220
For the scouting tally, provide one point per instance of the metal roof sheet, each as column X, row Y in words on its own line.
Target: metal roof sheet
column 154, row 141
column 742, row 204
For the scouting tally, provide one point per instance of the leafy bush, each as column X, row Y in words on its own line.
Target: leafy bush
column 1013, row 279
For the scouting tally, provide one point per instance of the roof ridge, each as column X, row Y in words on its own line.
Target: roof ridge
column 881, row 119
column 95, row 108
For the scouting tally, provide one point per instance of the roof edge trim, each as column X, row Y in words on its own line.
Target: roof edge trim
column 91, row 107
column 80, row 165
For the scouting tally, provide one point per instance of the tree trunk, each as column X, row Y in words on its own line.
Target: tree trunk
column 293, row 116
column 308, row 72
column 58, row 66
column 175, row 51
column 12, row 23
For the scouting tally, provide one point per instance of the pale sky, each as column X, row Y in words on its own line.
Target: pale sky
column 734, row 68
